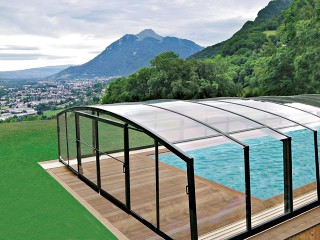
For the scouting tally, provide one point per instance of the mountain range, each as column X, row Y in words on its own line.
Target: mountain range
column 132, row 52
column 32, row 73
column 128, row 54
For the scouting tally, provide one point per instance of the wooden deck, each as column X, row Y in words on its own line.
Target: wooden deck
column 217, row 206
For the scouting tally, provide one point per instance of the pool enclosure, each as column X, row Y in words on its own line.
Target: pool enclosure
column 201, row 169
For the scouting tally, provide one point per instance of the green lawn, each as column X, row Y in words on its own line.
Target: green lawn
column 33, row 205
column 50, row 113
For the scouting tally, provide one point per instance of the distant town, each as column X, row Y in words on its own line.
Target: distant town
column 25, row 98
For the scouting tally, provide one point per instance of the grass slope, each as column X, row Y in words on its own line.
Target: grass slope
column 50, row 113
column 33, row 205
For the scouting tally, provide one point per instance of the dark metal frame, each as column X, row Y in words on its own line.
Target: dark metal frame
column 127, row 123
column 156, row 145
column 288, row 152
column 287, row 159
column 316, row 148
column 246, row 161
column 127, row 206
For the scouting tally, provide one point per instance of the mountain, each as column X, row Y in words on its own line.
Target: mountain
column 149, row 33
column 128, row 54
column 252, row 35
column 32, row 73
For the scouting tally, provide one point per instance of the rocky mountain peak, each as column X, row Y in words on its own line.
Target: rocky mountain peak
column 149, row 33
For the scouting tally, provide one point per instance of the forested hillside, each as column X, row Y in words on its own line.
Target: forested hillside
column 292, row 64
column 252, row 35
column 270, row 56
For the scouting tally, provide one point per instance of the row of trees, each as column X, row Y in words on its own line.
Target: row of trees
column 172, row 77
column 26, row 118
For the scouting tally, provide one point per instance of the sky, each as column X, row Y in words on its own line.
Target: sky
column 38, row 33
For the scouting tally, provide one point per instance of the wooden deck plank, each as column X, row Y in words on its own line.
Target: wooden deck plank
column 217, row 205
column 174, row 214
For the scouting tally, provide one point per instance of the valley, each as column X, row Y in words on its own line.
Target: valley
column 27, row 98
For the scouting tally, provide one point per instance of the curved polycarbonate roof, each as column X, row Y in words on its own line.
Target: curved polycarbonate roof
column 258, row 115
column 310, row 109
column 171, row 126
column 293, row 114
column 222, row 120
column 228, row 119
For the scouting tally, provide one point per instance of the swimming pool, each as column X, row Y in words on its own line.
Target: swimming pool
column 224, row 164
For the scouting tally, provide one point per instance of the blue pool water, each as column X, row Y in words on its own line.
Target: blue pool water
column 224, row 164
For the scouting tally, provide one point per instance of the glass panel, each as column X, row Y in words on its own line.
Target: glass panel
column 110, row 138
column 220, row 185
column 86, row 134
column 303, row 167
column 87, row 145
column 88, row 161
column 266, row 173
column 174, row 201
column 143, row 180
column 139, row 139
column 72, row 138
column 63, row 139
column 170, row 126
column 111, row 147
column 112, row 175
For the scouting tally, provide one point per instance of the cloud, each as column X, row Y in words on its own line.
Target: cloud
column 81, row 28
column 59, row 17
column 31, row 56
column 95, row 52
column 16, row 47
column 221, row 29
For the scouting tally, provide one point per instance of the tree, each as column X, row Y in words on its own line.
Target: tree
column 172, row 77
column 161, row 61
